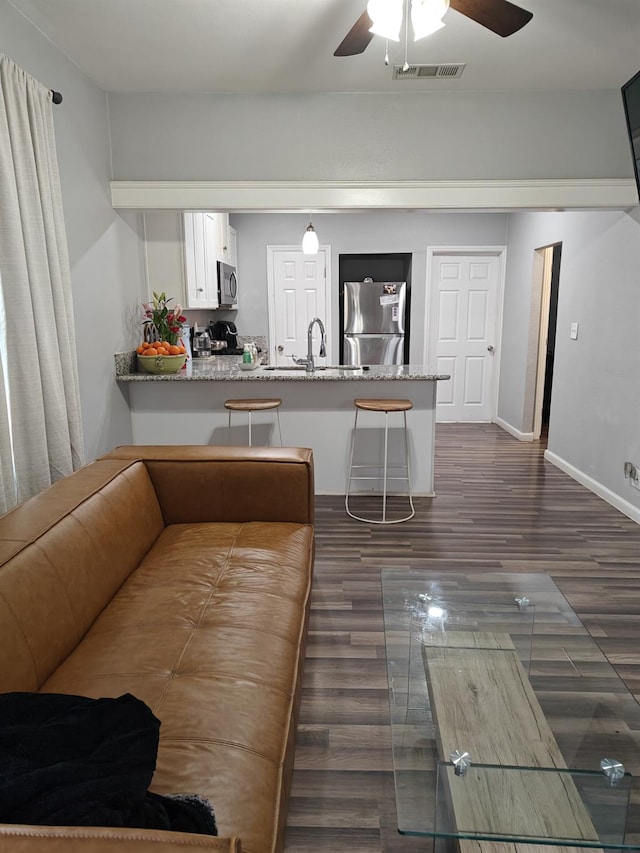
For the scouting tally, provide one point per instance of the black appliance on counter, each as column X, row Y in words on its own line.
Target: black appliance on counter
column 225, row 330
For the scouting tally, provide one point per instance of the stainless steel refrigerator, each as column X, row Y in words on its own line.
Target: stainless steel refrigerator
column 374, row 322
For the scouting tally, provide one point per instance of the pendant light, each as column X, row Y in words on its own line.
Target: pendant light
column 310, row 243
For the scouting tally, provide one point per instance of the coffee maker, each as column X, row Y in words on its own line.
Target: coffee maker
column 225, row 330
column 201, row 345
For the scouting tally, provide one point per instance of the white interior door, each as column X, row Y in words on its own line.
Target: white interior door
column 462, row 331
column 298, row 291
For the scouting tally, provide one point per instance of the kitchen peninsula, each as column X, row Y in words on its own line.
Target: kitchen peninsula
column 317, row 411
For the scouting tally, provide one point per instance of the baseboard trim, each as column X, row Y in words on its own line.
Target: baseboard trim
column 625, row 507
column 521, row 436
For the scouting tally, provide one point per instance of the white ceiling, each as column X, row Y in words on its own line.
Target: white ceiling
column 263, row 46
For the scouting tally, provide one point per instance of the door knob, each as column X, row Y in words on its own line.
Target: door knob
column 491, row 348
column 280, row 348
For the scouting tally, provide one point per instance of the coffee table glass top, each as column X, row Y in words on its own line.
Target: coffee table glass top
column 508, row 722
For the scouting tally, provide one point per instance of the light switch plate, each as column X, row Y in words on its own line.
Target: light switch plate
column 574, row 332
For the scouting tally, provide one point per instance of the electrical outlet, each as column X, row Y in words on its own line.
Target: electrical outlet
column 632, row 474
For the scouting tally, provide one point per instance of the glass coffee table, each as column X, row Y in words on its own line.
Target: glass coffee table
column 508, row 723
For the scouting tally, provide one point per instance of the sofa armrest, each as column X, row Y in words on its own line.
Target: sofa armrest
column 18, row 838
column 202, row 483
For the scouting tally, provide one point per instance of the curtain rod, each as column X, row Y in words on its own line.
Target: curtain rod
column 56, row 97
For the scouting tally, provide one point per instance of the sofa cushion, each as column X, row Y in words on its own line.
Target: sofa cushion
column 208, row 629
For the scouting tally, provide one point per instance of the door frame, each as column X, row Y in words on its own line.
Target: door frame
column 271, row 296
column 431, row 309
column 543, row 334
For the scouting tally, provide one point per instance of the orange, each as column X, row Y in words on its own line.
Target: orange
column 181, row 350
column 151, row 351
column 174, row 350
column 140, row 349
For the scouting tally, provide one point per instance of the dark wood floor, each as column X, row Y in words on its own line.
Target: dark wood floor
column 499, row 507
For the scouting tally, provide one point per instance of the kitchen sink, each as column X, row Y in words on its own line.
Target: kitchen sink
column 283, row 367
column 301, row 367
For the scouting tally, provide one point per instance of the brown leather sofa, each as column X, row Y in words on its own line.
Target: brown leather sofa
column 181, row 575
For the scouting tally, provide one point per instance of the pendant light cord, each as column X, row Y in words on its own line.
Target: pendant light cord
column 406, row 35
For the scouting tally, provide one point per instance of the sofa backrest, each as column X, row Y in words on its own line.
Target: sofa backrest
column 201, row 483
column 63, row 555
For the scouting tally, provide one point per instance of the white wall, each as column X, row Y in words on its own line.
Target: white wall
column 595, row 406
column 103, row 246
column 404, row 136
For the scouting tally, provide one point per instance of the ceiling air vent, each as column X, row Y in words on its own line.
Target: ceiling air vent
column 429, row 72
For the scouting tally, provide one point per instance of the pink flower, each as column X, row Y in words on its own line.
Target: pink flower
column 161, row 322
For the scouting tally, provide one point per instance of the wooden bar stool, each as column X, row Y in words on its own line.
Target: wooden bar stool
column 388, row 407
column 249, row 406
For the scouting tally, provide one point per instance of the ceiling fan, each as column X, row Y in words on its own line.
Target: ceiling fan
column 499, row 16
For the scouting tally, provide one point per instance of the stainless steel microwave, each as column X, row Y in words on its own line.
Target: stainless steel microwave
column 227, row 286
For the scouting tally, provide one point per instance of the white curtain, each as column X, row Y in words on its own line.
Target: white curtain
column 40, row 420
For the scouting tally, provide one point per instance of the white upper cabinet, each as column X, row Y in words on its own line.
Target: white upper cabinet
column 201, row 254
column 182, row 252
column 227, row 236
column 232, row 252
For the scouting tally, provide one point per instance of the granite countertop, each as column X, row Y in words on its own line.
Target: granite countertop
column 226, row 368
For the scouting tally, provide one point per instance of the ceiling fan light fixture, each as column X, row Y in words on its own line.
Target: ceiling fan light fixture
column 426, row 16
column 310, row 242
column 386, row 17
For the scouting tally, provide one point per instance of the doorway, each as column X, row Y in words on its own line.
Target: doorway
column 549, row 287
column 463, row 325
column 299, row 289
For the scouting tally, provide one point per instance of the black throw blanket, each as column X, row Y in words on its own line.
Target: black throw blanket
column 70, row 760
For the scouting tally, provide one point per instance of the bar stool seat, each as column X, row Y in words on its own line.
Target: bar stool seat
column 250, row 405
column 387, row 407
column 383, row 405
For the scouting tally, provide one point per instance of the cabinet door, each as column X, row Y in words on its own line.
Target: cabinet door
column 223, row 236
column 200, row 260
column 233, row 247
column 211, row 256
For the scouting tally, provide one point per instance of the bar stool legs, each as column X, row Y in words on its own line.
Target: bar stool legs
column 385, row 406
column 249, row 406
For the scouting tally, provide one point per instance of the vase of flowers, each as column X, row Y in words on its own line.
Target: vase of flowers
column 162, row 350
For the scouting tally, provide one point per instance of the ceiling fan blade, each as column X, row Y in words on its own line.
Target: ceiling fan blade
column 499, row 16
column 358, row 37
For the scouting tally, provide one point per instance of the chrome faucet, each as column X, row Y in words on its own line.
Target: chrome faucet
column 308, row 362
column 323, row 343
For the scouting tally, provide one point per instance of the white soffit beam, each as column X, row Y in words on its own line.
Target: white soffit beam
column 616, row 193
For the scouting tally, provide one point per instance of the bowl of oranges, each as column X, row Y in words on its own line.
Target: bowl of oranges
column 161, row 357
